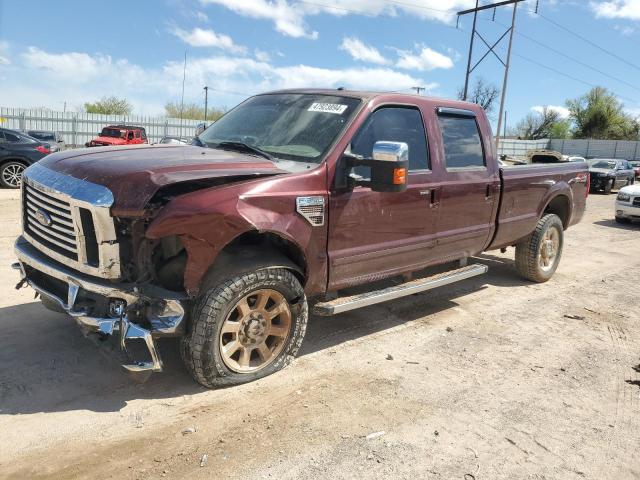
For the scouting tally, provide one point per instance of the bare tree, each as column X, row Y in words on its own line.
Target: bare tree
column 483, row 93
column 538, row 125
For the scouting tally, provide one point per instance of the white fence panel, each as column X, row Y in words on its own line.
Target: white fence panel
column 79, row 128
column 519, row 148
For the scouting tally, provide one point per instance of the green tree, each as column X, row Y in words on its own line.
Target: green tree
column 600, row 115
column 193, row 111
column 109, row 106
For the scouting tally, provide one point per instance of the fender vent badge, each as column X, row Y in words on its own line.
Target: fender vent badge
column 311, row 208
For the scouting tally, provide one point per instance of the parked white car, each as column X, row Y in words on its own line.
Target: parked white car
column 628, row 204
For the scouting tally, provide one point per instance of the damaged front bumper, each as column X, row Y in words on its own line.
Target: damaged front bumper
column 105, row 307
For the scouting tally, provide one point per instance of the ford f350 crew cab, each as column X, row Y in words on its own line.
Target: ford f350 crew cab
column 291, row 198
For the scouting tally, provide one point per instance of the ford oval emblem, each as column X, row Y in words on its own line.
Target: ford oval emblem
column 43, row 217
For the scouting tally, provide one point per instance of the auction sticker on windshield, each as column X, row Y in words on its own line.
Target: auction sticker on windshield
column 327, row 108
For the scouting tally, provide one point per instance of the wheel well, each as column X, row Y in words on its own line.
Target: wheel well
column 254, row 250
column 559, row 206
column 17, row 160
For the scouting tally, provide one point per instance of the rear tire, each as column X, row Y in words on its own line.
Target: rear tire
column 240, row 315
column 538, row 256
column 11, row 174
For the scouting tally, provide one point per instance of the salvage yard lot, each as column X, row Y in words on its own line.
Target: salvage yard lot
column 490, row 378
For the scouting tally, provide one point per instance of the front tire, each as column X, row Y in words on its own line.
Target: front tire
column 538, row 256
column 11, row 174
column 245, row 328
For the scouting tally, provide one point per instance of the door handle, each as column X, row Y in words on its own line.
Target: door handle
column 432, row 194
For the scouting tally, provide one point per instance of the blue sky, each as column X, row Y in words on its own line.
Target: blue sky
column 74, row 51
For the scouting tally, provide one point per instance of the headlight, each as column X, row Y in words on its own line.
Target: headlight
column 624, row 197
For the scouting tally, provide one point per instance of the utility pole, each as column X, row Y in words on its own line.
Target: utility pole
column 506, row 73
column 505, row 126
column 417, row 89
column 473, row 36
column 491, row 49
column 184, row 76
column 206, row 99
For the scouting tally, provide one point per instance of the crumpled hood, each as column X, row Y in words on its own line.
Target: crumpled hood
column 135, row 173
column 600, row 170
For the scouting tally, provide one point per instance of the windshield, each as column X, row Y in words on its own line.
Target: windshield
column 112, row 132
column 299, row 127
column 609, row 165
column 42, row 136
column 634, row 164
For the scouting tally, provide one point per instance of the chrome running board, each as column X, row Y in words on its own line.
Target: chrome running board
column 344, row 304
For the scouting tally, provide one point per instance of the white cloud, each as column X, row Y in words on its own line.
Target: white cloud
column 629, row 9
column 360, row 51
column 4, row 53
column 199, row 37
column 289, row 16
column 563, row 111
column 201, row 16
column 41, row 78
column 425, row 59
column 262, row 56
column 624, row 30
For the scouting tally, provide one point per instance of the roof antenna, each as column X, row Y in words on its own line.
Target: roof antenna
column 494, row 15
column 537, row 2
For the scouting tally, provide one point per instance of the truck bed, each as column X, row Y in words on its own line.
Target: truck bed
column 525, row 194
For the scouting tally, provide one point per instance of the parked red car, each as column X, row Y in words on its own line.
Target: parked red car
column 115, row 135
column 635, row 165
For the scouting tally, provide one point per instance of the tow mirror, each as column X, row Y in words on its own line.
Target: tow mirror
column 389, row 164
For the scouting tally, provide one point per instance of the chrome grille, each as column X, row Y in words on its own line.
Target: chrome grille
column 50, row 220
column 70, row 221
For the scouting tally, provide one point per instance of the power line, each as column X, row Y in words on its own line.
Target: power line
column 542, row 65
column 590, row 42
column 579, row 62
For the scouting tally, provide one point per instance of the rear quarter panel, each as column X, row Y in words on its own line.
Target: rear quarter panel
column 527, row 190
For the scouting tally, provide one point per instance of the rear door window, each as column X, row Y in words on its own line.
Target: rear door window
column 461, row 140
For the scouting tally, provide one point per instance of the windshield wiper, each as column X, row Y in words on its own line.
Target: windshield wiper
column 241, row 146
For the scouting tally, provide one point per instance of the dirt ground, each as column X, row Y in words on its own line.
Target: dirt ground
column 492, row 378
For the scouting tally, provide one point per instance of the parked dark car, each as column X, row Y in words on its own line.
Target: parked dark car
column 17, row 152
column 51, row 138
column 608, row 173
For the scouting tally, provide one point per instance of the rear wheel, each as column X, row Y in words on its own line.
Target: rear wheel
column 245, row 328
column 537, row 256
column 11, row 174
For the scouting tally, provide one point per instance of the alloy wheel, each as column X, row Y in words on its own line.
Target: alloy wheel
column 12, row 174
column 255, row 331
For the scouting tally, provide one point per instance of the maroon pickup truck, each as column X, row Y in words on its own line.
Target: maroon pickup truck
column 291, row 198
